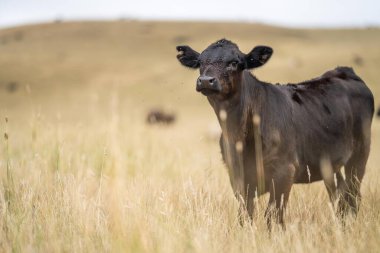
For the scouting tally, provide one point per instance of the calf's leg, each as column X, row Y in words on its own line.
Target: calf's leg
column 280, row 187
column 334, row 188
column 354, row 170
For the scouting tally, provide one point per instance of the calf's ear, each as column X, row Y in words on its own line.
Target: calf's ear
column 188, row 57
column 258, row 56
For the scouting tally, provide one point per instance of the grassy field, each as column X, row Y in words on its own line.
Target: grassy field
column 80, row 171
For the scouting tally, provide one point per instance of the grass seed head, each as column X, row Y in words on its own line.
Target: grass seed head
column 223, row 115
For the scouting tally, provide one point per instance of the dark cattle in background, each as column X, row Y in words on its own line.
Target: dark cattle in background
column 276, row 135
column 378, row 112
column 358, row 60
column 158, row 116
column 12, row 87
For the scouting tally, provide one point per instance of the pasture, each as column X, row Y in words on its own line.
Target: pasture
column 81, row 171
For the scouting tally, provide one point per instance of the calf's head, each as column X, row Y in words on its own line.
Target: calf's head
column 221, row 66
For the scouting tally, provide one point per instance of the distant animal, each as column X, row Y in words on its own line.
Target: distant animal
column 378, row 112
column 276, row 135
column 358, row 60
column 12, row 87
column 158, row 116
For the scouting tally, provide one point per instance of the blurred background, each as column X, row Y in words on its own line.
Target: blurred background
column 82, row 84
column 69, row 55
column 295, row 13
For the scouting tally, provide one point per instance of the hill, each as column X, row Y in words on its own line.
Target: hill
column 81, row 171
column 77, row 61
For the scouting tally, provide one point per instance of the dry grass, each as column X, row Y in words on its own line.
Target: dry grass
column 81, row 172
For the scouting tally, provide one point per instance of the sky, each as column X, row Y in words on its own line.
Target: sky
column 293, row 13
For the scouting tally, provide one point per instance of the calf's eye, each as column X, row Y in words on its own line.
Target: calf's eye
column 233, row 64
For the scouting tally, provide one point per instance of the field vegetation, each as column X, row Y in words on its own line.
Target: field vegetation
column 81, row 171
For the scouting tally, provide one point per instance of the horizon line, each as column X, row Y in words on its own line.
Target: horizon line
column 61, row 19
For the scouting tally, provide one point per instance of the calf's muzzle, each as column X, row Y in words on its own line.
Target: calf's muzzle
column 208, row 85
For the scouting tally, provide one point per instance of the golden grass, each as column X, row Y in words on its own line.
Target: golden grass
column 81, row 172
